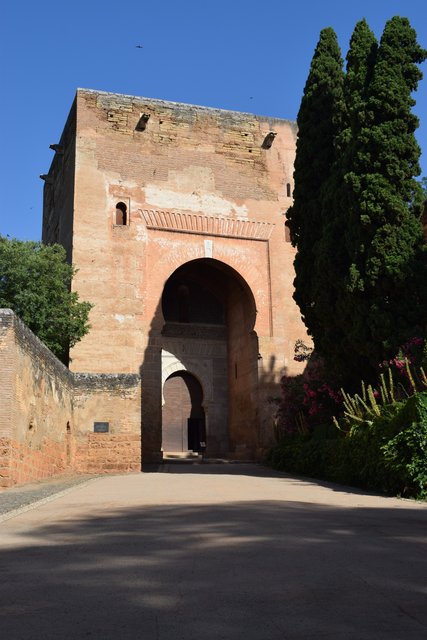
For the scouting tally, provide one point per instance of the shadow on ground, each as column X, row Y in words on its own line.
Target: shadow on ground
column 265, row 570
column 251, row 470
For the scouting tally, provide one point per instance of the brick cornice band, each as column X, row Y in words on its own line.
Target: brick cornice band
column 206, row 225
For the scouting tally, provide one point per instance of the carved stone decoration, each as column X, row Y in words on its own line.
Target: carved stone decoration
column 206, row 225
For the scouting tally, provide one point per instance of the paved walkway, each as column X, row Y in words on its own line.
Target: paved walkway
column 19, row 499
column 210, row 552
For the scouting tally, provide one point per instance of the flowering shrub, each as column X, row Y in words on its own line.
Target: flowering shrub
column 412, row 351
column 307, row 399
column 387, row 453
column 381, row 440
column 411, row 356
column 290, row 416
column 313, row 397
column 321, row 402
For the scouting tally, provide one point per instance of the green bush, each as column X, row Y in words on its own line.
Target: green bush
column 387, row 453
column 406, row 452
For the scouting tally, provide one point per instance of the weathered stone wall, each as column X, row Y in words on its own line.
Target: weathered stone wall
column 112, row 399
column 47, row 413
column 58, row 192
column 7, row 393
column 197, row 184
column 39, row 391
column 190, row 167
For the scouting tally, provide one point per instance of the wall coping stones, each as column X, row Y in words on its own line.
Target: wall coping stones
column 105, row 381
column 26, row 339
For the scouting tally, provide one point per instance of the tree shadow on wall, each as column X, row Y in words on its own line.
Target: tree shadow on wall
column 269, row 399
column 238, row 570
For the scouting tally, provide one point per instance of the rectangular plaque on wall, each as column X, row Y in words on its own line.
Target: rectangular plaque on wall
column 101, row 427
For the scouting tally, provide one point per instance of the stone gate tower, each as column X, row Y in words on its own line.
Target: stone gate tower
column 173, row 215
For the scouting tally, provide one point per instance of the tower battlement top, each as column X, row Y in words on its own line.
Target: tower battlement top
column 125, row 99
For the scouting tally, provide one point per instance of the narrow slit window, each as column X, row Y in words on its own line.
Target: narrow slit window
column 288, row 190
column 121, row 214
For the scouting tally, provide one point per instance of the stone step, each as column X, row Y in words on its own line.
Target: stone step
column 182, row 455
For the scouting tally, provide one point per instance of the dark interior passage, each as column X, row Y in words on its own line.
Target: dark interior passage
column 188, row 297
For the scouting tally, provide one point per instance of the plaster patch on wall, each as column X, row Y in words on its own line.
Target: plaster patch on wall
column 197, row 201
column 141, row 232
column 112, row 181
column 191, row 177
column 241, row 254
column 122, row 318
column 178, row 246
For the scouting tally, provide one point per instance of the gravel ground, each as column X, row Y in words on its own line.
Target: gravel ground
column 19, row 499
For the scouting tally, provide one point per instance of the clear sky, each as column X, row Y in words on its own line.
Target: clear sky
column 232, row 54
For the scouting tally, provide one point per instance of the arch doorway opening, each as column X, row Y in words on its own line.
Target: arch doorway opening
column 183, row 414
column 209, row 315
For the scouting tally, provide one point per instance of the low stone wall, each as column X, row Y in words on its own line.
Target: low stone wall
column 28, row 465
column 105, row 453
column 114, row 402
column 50, row 417
column 36, row 391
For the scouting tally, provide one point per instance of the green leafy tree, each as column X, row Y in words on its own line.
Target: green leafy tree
column 35, row 282
column 319, row 121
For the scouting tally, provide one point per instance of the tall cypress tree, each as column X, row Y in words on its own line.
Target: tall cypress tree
column 360, row 266
column 338, row 204
column 360, row 58
column 384, row 235
column 319, row 120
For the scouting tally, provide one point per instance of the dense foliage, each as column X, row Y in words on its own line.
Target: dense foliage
column 318, row 125
column 333, row 308
column 361, row 270
column 35, row 282
column 360, row 264
column 384, row 239
column 308, row 399
column 385, row 450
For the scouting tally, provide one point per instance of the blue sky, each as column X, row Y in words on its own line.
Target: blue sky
column 236, row 54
